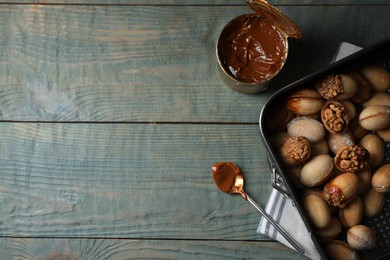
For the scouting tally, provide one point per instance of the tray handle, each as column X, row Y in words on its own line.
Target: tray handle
column 277, row 180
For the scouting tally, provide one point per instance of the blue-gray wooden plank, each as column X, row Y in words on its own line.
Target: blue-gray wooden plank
column 148, row 63
column 197, row 2
column 128, row 180
column 98, row 249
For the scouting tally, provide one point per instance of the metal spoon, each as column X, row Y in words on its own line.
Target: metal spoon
column 229, row 179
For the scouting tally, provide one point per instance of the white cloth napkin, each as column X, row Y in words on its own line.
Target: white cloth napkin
column 282, row 208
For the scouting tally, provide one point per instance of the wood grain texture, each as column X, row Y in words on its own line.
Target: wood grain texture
column 127, row 180
column 73, row 249
column 195, row 2
column 150, row 63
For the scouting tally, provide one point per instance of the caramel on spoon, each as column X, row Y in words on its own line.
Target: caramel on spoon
column 229, row 179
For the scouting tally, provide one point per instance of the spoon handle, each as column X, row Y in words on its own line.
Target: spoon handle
column 278, row 227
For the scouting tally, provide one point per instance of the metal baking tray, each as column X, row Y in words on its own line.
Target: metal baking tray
column 378, row 53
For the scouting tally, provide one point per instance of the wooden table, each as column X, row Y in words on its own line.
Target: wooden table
column 112, row 114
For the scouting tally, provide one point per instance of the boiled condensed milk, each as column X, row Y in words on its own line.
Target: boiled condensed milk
column 253, row 48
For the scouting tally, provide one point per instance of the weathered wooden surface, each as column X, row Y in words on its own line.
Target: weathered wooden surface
column 112, row 114
column 72, row 249
column 93, row 63
column 127, row 180
column 195, row 2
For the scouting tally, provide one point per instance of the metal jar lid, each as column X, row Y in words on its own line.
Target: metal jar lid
column 276, row 17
